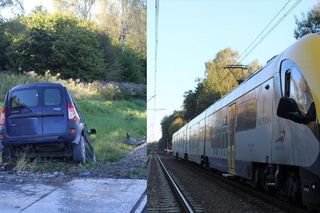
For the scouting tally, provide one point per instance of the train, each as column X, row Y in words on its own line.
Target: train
column 266, row 131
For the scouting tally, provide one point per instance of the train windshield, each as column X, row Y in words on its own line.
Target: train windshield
column 299, row 90
column 296, row 87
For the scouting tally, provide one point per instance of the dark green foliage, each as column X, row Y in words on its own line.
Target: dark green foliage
column 169, row 125
column 309, row 23
column 134, row 67
column 7, row 29
column 4, row 43
column 190, row 104
column 59, row 43
column 197, row 101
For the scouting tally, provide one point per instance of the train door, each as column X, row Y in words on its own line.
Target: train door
column 201, row 140
column 231, row 147
column 282, row 148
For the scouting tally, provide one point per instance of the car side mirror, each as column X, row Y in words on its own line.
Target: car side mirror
column 289, row 109
column 92, row 132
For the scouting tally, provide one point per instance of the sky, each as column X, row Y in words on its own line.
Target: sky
column 191, row 32
column 29, row 5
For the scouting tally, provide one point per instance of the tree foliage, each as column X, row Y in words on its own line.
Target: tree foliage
column 219, row 82
column 169, row 125
column 79, row 8
column 59, row 43
column 16, row 6
column 309, row 23
column 67, row 43
column 126, row 19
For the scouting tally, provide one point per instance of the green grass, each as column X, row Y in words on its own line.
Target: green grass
column 111, row 118
column 139, row 172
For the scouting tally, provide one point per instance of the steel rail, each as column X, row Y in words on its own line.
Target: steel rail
column 185, row 204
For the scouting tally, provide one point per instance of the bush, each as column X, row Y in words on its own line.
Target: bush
column 57, row 42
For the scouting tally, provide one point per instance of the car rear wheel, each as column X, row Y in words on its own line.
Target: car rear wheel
column 79, row 151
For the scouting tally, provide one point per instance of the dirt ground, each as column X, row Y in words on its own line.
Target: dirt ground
column 133, row 165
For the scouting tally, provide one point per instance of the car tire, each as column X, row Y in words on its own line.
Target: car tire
column 90, row 151
column 6, row 154
column 93, row 159
column 79, row 151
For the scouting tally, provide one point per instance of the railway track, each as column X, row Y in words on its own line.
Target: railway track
column 260, row 198
column 164, row 195
column 269, row 198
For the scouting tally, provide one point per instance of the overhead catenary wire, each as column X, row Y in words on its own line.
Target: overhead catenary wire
column 262, row 36
column 266, row 27
column 152, row 97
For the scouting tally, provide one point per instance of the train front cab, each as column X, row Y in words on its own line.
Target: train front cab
column 300, row 102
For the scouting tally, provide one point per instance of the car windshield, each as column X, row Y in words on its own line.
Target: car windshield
column 24, row 98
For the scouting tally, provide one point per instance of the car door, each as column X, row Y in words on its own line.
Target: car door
column 54, row 111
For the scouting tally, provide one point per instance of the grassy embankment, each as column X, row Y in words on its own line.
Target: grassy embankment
column 111, row 118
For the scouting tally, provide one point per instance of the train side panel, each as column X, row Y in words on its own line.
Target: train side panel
column 282, row 152
column 254, row 128
column 217, row 140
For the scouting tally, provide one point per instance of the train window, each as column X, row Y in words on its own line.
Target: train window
column 225, row 120
column 296, row 87
column 287, row 83
column 246, row 114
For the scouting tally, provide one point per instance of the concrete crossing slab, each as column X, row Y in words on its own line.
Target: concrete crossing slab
column 78, row 195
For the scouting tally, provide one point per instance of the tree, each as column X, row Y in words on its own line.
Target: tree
column 84, row 8
column 7, row 29
column 15, row 5
column 79, row 8
column 309, row 23
column 219, row 82
column 169, row 125
column 223, row 80
column 39, row 9
column 59, row 43
column 190, row 105
column 126, row 23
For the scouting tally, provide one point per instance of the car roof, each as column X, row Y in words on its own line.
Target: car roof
column 37, row 85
